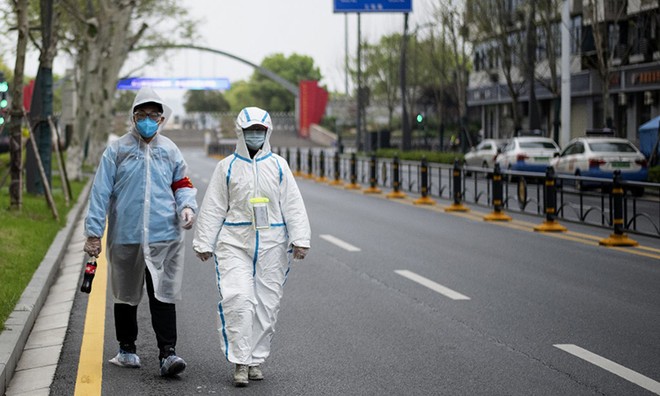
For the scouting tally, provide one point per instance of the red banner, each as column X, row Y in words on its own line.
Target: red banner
column 27, row 95
column 313, row 100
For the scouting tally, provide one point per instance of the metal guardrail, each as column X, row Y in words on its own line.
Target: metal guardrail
column 580, row 199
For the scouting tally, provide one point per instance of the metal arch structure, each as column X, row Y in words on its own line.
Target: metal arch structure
column 268, row 73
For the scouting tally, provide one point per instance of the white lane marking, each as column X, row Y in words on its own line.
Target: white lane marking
column 615, row 368
column 340, row 243
column 445, row 291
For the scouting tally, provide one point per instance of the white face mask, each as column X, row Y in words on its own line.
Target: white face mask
column 254, row 139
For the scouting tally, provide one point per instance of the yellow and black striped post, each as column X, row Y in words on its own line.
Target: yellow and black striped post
column 373, row 180
column 322, row 178
column 396, row 180
column 424, row 185
column 457, row 177
column 353, row 184
column 498, row 198
column 310, row 164
column 298, row 171
column 550, row 224
column 336, row 165
column 618, row 238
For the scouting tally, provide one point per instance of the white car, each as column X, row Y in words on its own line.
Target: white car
column 597, row 156
column 484, row 153
column 528, row 154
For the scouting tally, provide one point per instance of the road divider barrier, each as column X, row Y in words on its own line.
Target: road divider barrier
column 618, row 238
column 550, row 224
column 321, row 178
column 424, row 185
column 498, row 198
column 457, row 183
column 373, row 180
column 353, row 184
column 396, row 180
column 555, row 199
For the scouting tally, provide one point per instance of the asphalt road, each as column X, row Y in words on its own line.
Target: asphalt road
column 400, row 299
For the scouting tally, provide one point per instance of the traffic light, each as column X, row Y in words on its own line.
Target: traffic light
column 420, row 118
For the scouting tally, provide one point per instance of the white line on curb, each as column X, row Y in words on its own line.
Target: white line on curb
column 340, row 243
column 447, row 292
column 615, row 368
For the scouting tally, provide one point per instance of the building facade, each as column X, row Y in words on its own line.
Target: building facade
column 613, row 42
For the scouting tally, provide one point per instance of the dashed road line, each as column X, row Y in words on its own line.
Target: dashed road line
column 615, row 368
column 445, row 291
column 338, row 242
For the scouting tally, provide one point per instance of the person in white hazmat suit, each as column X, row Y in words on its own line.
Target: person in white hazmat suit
column 252, row 220
column 142, row 186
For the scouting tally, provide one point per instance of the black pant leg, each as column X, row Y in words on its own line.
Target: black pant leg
column 163, row 320
column 126, row 327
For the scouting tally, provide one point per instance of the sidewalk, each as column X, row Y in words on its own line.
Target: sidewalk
column 34, row 333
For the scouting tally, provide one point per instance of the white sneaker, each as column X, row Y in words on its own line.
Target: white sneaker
column 254, row 373
column 126, row 359
column 241, row 375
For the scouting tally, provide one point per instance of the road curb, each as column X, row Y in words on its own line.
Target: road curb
column 21, row 320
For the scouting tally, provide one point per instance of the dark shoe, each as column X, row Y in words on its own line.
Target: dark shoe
column 241, row 375
column 254, row 373
column 171, row 365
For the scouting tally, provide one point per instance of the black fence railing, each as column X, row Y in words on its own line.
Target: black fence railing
column 578, row 199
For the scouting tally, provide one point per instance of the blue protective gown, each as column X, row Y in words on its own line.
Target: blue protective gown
column 134, row 186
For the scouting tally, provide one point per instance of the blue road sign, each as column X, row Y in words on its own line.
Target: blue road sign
column 373, row 6
column 217, row 84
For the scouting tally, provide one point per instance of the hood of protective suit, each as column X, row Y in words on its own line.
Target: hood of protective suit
column 246, row 118
column 146, row 95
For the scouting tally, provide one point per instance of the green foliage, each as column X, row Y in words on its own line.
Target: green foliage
column 26, row 236
column 654, row 174
column 239, row 96
column 205, row 102
column 431, row 156
column 268, row 94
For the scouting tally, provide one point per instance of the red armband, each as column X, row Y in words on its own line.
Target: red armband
column 183, row 183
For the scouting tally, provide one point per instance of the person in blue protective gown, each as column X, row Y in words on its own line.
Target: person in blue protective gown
column 142, row 186
column 252, row 222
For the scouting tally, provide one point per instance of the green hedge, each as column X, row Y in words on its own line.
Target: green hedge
column 654, row 174
column 431, row 156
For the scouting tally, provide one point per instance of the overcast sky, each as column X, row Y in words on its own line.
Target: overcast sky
column 254, row 29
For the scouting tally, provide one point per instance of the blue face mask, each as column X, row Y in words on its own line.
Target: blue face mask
column 254, row 139
column 147, row 127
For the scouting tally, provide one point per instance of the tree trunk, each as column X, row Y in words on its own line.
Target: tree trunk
column 41, row 106
column 106, row 39
column 16, row 185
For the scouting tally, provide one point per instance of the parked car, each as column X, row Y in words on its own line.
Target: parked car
column 484, row 153
column 600, row 156
column 528, row 154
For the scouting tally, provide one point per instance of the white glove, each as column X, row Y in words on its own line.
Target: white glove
column 299, row 253
column 204, row 255
column 188, row 218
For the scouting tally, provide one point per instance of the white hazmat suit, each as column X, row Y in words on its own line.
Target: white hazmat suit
column 251, row 264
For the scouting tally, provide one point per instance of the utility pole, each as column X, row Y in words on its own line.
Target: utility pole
column 405, row 123
column 534, row 119
column 358, row 124
column 565, row 134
